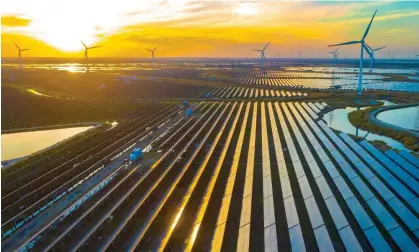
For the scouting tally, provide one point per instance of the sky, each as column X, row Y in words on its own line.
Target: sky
column 205, row 28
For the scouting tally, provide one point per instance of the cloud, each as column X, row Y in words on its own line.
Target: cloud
column 13, row 21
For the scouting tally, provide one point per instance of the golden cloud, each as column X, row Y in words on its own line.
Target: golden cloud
column 14, row 21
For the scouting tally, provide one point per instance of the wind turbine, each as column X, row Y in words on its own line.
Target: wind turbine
column 335, row 55
column 298, row 53
column 19, row 57
column 152, row 53
column 416, row 55
column 86, row 55
column 262, row 55
column 362, row 42
column 370, row 52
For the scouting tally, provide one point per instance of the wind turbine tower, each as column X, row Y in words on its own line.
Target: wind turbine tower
column 262, row 55
column 86, row 55
column 152, row 53
column 370, row 52
column 19, row 57
column 335, row 55
column 361, row 59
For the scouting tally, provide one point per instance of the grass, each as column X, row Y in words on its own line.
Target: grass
column 360, row 119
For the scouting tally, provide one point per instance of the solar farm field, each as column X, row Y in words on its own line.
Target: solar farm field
column 244, row 176
column 326, row 79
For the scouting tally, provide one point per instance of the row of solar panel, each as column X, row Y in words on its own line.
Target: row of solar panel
column 241, row 92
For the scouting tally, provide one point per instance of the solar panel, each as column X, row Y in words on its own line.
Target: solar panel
column 296, row 238
column 349, row 239
column 268, row 211
column 405, row 214
column 299, row 171
column 316, row 219
column 270, row 239
column 385, row 161
column 322, row 155
column 400, row 189
column 246, row 210
column 413, row 184
column 291, row 212
column 403, row 163
column 305, row 187
column 351, row 156
column 331, row 169
column 224, row 211
column 347, row 169
column 360, row 214
column 381, row 188
column 364, row 170
column 337, row 215
column 412, row 159
column 362, row 188
column 248, row 185
column 376, row 240
column 243, row 239
column 349, row 141
column 337, row 156
column 382, row 214
column 286, row 187
column 403, row 240
column 267, row 186
column 315, row 170
column 343, row 188
column 323, row 187
column 323, row 239
column 380, row 170
column 355, row 206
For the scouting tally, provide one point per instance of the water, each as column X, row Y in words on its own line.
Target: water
column 407, row 118
column 18, row 145
column 338, row 120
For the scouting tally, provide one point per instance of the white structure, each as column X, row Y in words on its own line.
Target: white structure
column 335, row 55
column 361, row 59
column 152, row 53
column 370, row 52
column 86, row 56
column 262, row 55
column 19, row 57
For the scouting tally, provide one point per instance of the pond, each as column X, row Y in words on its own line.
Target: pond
column 338, row 120
column 407, row 118
column 16, row 145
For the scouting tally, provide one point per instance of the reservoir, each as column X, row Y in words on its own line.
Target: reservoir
column 407, row 118
column 338, row 120
column 16, row 145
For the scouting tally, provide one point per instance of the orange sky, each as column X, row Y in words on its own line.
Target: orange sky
column 187, row 28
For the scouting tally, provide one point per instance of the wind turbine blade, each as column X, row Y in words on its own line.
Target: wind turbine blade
column 149, row 50
column 380, row 48
column 369, row 47
column 256, row 50
column 369, row 26
column 25, row 49
column 93, row 47
column 16, row 45
column 347, row 43
column 83, row 44
column 368, row 51
column 156, row 48
column 266, row 46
